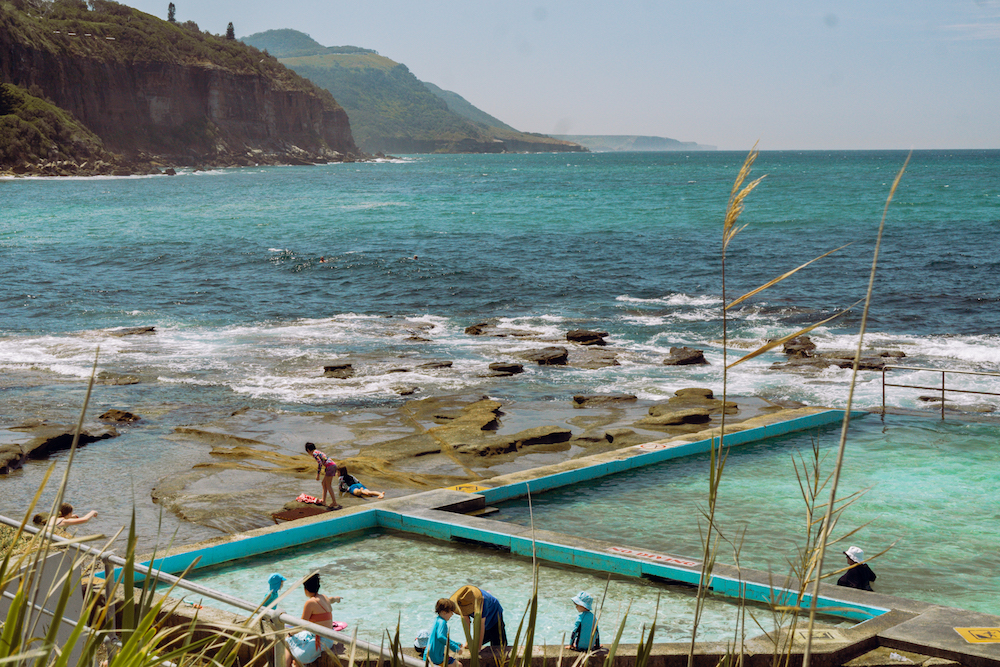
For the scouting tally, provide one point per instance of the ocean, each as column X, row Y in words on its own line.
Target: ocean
column 257, row 278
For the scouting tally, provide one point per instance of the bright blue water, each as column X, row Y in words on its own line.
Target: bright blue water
column 385, row 579
column 226, row 265
column 927, row 496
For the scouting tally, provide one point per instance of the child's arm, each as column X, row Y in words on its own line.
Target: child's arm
column 74, row 520
column 574, row 638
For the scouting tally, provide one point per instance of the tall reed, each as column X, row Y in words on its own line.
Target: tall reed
column 809, row 566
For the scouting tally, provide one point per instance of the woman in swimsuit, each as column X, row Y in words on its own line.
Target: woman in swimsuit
column 305, row 647
column 328, row 467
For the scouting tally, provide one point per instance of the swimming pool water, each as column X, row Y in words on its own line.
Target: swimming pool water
column 931, row 492
column 385, row 577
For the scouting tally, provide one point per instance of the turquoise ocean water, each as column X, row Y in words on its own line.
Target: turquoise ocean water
column 227, row 266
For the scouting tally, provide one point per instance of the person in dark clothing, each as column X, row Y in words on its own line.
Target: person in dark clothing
column 859, row 575
column 492, row 630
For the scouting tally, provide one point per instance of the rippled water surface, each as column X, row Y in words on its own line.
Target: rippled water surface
column 256, row 278
column 928, row 496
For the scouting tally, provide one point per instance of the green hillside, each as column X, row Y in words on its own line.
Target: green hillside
column 33, row 130
column 390, row 109
column 464, row 108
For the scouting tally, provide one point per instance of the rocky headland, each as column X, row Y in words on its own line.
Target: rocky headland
column 112, row 90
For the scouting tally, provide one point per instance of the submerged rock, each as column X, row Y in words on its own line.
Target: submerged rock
column 505, row 369
column 340, row 371
column 131, row 331
column 46, row 439
column 541, row 435
column 592, row 358
column 685, row 356
column 490, row 329
column 587, row 337
column 120, row 416
column 435, row 365
column 547, row 356
column 800, row 346
column 106, row 377
column 660, row 415
column 586, row 400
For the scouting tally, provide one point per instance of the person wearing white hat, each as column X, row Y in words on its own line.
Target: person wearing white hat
column 858, row 575
column 585, row 632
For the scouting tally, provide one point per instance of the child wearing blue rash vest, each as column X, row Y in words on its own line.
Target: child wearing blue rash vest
column 438, row 640
column 585, row 626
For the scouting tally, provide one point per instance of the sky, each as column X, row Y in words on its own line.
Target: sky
column 791, row 74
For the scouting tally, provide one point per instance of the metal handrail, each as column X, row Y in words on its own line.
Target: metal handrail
column 942, row 371
column 158, row 575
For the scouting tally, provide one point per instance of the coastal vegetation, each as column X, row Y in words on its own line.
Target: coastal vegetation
column 103, row 63
column 33, row 129
column 393, row 111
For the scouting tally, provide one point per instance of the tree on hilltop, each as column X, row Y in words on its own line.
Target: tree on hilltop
column 230, row 31
column 172, row 13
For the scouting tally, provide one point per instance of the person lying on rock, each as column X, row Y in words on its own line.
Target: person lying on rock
column 350, row 484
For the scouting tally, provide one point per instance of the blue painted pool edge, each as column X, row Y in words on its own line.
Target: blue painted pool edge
column 587, row 473
column 551, row 552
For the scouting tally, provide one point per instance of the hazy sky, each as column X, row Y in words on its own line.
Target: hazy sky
column 795, row 74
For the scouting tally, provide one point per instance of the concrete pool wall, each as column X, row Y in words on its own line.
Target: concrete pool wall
column 440, row 514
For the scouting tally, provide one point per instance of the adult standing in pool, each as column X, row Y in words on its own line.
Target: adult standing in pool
column 492, row 631
column 858, row 575
column 305, row 647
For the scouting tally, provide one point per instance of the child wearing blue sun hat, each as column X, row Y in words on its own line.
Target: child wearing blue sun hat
column 585, row 632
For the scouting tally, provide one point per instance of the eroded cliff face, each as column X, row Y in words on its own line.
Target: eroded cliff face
column 175, row 112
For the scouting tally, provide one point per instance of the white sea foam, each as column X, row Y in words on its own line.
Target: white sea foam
column 365, row 206
column 674, row 300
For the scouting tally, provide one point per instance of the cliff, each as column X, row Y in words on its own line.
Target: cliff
column 391, row 110
column 167, row 93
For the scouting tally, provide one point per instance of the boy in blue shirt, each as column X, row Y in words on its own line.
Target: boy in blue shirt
column 585, row 625
column 438, row 639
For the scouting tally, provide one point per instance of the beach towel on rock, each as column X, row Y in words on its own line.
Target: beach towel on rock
column 304, row 498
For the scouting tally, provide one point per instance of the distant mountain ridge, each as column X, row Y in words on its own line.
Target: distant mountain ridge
column 607, row 143
column 390, row 110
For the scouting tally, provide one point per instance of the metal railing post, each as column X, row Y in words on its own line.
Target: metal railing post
column 943, row 388
column 942, row 395
column 883, row 391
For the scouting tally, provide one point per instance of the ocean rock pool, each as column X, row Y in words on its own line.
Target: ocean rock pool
column 385, row 578
column 929, row 495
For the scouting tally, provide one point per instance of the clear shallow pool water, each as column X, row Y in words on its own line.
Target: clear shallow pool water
column 931, row 490
column 384, row 577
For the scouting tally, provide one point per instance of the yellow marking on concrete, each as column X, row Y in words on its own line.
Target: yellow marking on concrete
column 469, row 488
column 819, row 635
column 980, row 635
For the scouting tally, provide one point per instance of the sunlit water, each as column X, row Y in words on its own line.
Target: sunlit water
column 227, row 265
column 384, row 579
column 929, row 496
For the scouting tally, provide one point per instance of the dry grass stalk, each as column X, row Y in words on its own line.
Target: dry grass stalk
column 847, row 415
